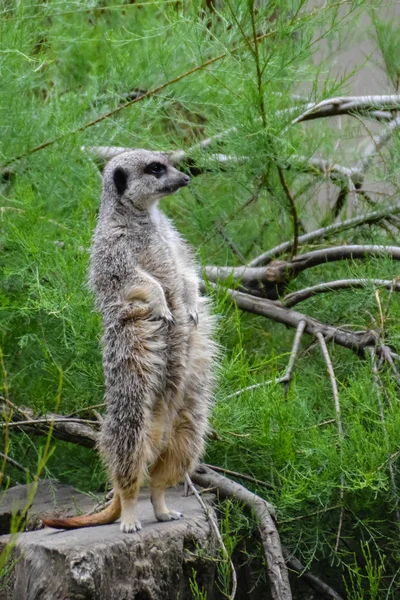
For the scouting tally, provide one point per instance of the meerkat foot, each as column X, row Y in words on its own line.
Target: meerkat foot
column 130, row 527
column 170, row 515
column 161, row 510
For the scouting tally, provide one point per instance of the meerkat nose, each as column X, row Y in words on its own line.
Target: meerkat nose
column 186, row 179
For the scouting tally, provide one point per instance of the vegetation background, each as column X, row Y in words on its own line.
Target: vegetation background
column 63, row 64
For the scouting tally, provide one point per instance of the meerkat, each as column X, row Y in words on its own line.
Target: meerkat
column 158, row 350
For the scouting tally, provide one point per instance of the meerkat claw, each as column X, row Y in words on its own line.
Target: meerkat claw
column 130, row 527
column 194, row 317
column 169, row 319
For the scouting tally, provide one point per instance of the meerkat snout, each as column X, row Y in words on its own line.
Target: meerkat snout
column 174, row 182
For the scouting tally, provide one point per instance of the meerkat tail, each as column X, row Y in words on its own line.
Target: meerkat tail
column 108, row 515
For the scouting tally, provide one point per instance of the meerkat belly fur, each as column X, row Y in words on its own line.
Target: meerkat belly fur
column 157, row 344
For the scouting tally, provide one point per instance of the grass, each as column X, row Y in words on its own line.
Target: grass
column 62, row 65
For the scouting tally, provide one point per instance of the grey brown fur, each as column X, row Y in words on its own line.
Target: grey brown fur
column 158, row 350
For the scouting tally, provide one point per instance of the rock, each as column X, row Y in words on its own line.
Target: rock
column 101, row 563
column 51, row 497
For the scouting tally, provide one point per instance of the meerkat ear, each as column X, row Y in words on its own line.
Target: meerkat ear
column 120, row 179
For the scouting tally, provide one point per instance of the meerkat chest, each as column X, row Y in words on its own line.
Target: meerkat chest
column 160, row 259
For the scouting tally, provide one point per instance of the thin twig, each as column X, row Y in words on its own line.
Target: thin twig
column 315, row 513
column 287, row 377
column 378, row 142
column 241, row 476
column 252, row 198
column 217, row 532
column 293, row 354
column 335, row 392
column 87, row 408
column 14, row 463
column 293, row 211
column 50, row 420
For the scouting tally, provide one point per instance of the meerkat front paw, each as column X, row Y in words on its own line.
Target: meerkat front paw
column 134, row 311
column 193, row 314
column 194, row 317
column 171, row 515
column 162, row 313
column 130, row 527
column 169, row 318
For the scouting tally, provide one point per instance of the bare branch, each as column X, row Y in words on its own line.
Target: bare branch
column 343, row 105
column 324, row 232
column 293, row 211
column 335, row 391
column 277, row 571
column 356, row 341
column 63, row 429
column 217, row 532
column 293, row 354
column 287, row 377
column 377, row 144
column 319, row 166
column 284, row 271
column 317, row 257
column 14, row 463
column 339, row 284
column 314, row 582
column 50, row 420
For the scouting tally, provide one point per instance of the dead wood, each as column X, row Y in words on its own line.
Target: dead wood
column 214, row 524
column 324, row 232
column 271, row 279
column 340, row 284
column 75, row 431
column 314, row 582
column 342, row 105
column 353, row 340
column 276, row 566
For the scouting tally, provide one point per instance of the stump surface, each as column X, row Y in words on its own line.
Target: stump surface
column 101, row 563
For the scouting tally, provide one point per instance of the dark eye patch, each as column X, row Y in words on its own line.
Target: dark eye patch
column 120, row 179
column 156, row 169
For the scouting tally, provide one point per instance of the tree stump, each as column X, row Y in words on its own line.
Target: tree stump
column 101, row 563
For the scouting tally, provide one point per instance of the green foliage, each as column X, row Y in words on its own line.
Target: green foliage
column 373, row 575
column 387, row 35
column 197, row 592
column 63, row 64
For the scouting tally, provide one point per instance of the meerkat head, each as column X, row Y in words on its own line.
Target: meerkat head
column 140, row 178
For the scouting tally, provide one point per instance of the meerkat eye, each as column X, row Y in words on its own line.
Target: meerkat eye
column 156, row 169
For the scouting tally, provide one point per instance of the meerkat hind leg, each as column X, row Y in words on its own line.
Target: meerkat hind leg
column 161, row 510
column 173, row 464
column 129, row 519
